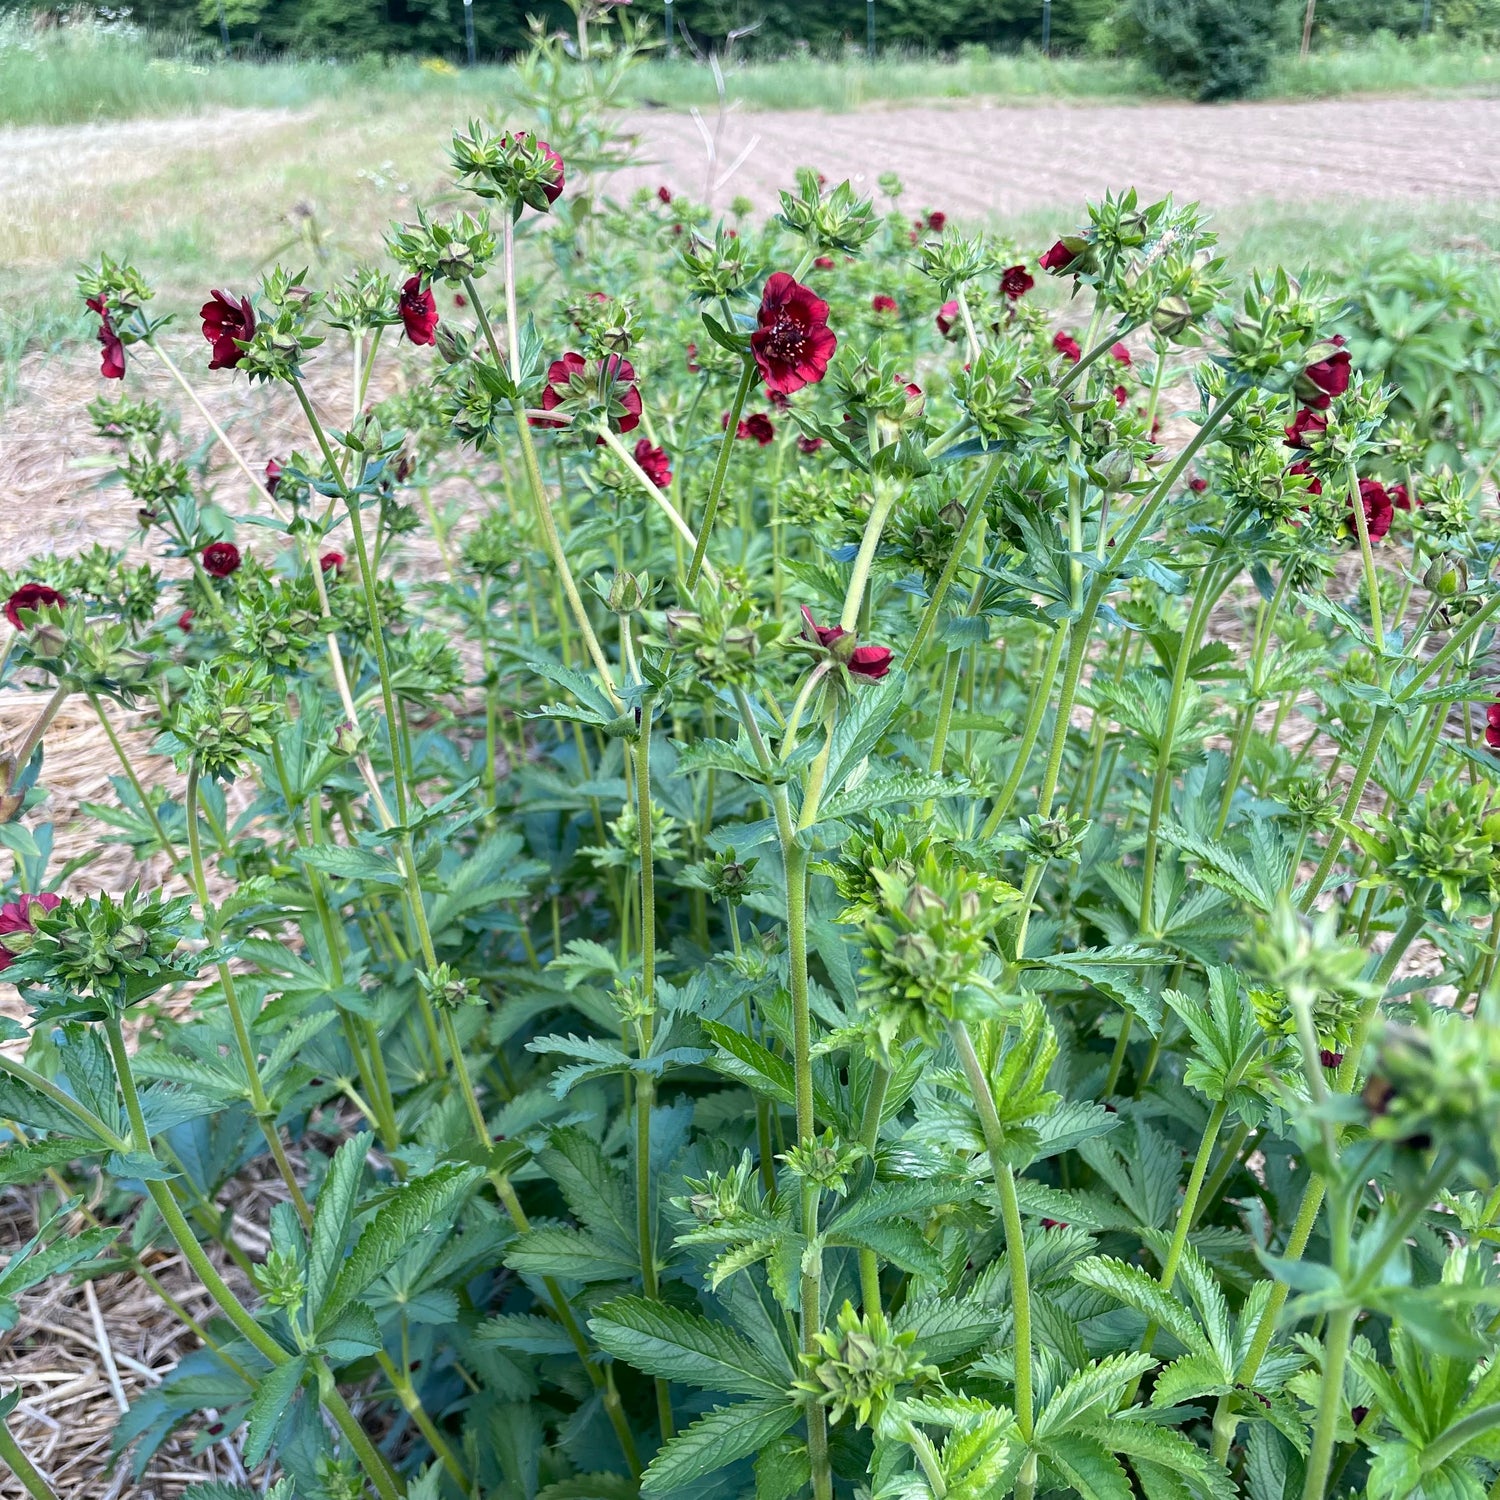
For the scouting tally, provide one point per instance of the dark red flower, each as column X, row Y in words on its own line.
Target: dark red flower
column 1121, row 354
column 1307, row 423
column 809, row 444
column 1016, row 281
column 1357, row 1414
column 553, row 189
column 220, row 559
column 1330, row 1058
column 870, row 661
column 1067, row 346
column 937, row 221
column 418, row 309
column 185, row 621
column 32, row 596
column 112, row 351
column 1058, row 258
column 1121, row 395
column 459, row 300
column 332, row 562
column 758, row 427
column 824, row 635
column 559, row 375
column 1197, row 484
column 664, row 193
column 692, row 359
column 227, row 324
column 823, row 263
column 793, row 343
column 947, row 318
column 617, row 373
column 1401, row 499
column 780, row 402
column 880, row 303
column 1328, row 378
column 1314, row 484
column 655, row 463
column 16, row 916
column 1492, row 726
column 273, row 475
column 620, row 372
column 1376, row 501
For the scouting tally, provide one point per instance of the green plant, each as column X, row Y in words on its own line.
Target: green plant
column 1212, row 49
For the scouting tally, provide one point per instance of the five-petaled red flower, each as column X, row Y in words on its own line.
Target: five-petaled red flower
column 33, row 596
column 220, row 559
column 1016, row 281
column 654, row 463
column 418, row 309
column 1121, row 355
column 757, row 426
column 881, row 303
column 16, row 916
column 332, row 562
column 112, row 351
column 1067, row 346
column 1304, row 467
column 1058, row 258
column 1492, row 726
column 1307, row 423
column 1121, row 395
column 947, row 318
column 664, row 193
column 863, row 661
column 227, row 324
column 809, row 444
column 823, row 263
column 937, row 221
column 1329, row 378
column 793, row 343
column 618, row 376
column 185, row 621
column 1197, row 484
column 1375, row 500
column 1401, row 498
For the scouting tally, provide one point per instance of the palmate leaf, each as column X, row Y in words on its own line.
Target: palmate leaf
column 679, row 1345
column 725, row 1435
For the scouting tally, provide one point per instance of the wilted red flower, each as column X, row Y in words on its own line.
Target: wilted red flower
column 793, row 343
column 227, row 323
column 664, row 193
column 332, row 562
column 185, row 621
column 758, row 427
column 220, row 559
column 418, row 309
column 692, row 359
column 823, row 263
column 1121, row 395
column 1307, row 423
column 809, row 444
column 1314, row 484
column 1016, row 281
column 1067, row 346
column 16, row 916
column 112, row 351
column 947, row 318
column 1121, row 354
column 654, row 462
column 1377, row 506
column 1492, row 726
column 32, row 596
column 273, row 475
column 1329, row 378
column 1058, row 258
column 1401, row 499
column 937, row 221
column 880, row 303
column 1197, row 484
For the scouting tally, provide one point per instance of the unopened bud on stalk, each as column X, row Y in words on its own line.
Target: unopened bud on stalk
column 1446, row 576
column 1172, row 316
column 920, row 900
column 47, row 640
column 625, row 594
column 452, row 346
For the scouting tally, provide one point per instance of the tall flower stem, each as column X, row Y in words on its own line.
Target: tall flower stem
column 721, row 469
column 22, row 1467
column 869, row 1138
column 1373, row 737
column 1367, row 557
column 658, row 496
column 1331, row 1401
column 260, row 1104
column 152, row 815
column 886, row 495
column 40, row 725
column 1010, row 1214
column 1036, row 713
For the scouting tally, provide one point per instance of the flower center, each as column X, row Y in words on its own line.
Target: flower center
column 787, row 339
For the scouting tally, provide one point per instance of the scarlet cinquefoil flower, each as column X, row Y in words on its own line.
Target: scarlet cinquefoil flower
column 809, row 444
column 692, row 359
column 227, row 324
column 937, row 221
column 1401, row 498
column 654, row 463
column 1329, row 378
column 823, row 263
column 863, row 661
column 1058, row 258
column 947, row 318
column 273, row 475
column 1121, row 395
column 332, row 562
column 617, row 378
column 1067, row 346
column 16, row 916
column 185, row 621
column 793, row 343
column 112, row 351
column 1378, row 510
column 220, row 559
column 1016, row 281
column 1121, row 354
column 1197, row 484
column 664, row 193
column 1492, row 726
column 880, row 303
column 1314, row 484
column 418, row 309
column 758, row 427
column 32, row 596
column 1307, row 423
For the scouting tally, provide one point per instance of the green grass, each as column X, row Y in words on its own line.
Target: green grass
column 1387, row 65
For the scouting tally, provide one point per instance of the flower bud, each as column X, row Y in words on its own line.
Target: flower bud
column 920, row 900
column 1172, row 316
column 346, row 739
column 452, row 346
column 47, row 640
column 624, row 594
column 1446, row 576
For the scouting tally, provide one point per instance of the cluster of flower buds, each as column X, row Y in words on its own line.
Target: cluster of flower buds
column 605, row 325
column 996, row 391
column 860, row 1364
column 281, row 335
column 362, row 303
column 224, row 716
column 515, row 168
column 459, row 250
column 724, row 638
column 826, row 1161
column 716, row 268
column 838, row 222
column 446, row 988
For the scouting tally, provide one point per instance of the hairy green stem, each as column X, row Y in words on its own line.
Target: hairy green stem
column 1330, row 1402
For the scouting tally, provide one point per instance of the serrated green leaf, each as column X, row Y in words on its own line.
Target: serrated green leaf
column 273, row 1399
column 679, row 1345
column 725, row 1435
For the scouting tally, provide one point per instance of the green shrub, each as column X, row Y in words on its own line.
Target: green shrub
column 1212, row 49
